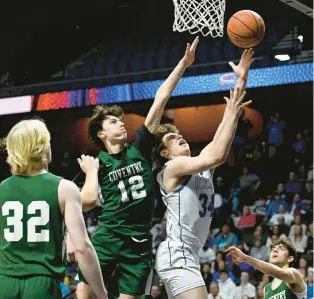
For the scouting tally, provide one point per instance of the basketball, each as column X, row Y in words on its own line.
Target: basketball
column 246, row 29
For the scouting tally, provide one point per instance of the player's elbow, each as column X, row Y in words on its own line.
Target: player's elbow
column 89, row 200
column 83, row 246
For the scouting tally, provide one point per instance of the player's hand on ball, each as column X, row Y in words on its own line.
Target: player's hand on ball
column 235, row 103
column 88, row 163
column 242, row 69
column 189, row 55
column 236, row 253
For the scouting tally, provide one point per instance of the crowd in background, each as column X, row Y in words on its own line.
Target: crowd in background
column 268, row 197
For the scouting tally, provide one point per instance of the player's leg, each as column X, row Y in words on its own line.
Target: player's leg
column 135, row 263
column 39, row 287
column 180, row 272
column 9, row 287
column 107, row 247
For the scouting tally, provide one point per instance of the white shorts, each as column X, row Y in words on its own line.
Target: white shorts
column 178, row 268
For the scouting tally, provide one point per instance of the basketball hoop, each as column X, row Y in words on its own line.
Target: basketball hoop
column 204, row 16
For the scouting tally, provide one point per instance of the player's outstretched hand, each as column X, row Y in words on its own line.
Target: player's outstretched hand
column 235, row 103
column 236, row 253
column 189, row 55
column 88, row 163
column 242, row 69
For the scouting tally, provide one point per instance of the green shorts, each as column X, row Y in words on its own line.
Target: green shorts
column 128, row 258
column 36, row 287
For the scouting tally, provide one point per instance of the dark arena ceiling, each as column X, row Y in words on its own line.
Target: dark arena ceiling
column 39, row 40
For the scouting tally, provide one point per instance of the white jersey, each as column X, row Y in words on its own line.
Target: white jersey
column 189, row 210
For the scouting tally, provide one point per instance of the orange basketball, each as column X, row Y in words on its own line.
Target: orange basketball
column 246, row 29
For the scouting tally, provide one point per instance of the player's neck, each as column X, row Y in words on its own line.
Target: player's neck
column 114, row 148
column 277, row 280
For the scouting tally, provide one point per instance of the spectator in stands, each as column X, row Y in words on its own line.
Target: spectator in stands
column 298, row 167
column 260, row 291
column 260, row 208
column 303, row 267
column 307, row 193
column 155, row 292
column 309, row 248
column 222, row 267
column 247, row 220
column 298, row 206
column 299, row 239
column 90, row 226
column 259, row 235
column 207, row 276
column 273, row 207
column 292, row 185
column 283, row 227
column 206, row 254
column 299, row 146
column 234, row 197
column 275, row 134
column 226, row 285
column 309, row 284
column 249, row 183
column 280, row 189
column 276, row 234
column 259, row 251
column 241, row 136
column 226, row 238
column 214, row 291
column 221, row 188
column 288, row 218
column 297, row 221
column 245, row 288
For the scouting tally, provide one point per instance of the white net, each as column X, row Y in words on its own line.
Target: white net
column 204, row 16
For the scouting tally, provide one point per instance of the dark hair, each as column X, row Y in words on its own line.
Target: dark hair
column 99, row 114
column 291, row 250
column 161, row 132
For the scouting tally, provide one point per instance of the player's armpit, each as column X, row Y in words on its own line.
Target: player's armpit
column 191, row 165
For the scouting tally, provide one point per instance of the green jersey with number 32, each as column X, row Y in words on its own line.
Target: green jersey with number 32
column 31, row 227
column 126, row 182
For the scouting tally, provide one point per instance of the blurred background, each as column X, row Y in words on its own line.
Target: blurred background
column 58, row 62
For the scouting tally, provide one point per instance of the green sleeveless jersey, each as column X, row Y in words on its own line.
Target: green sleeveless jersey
column 126, row 182
column 282, row 292
column 31, row 226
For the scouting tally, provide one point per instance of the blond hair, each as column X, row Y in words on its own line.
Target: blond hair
column 28, row 146
column 99, row 114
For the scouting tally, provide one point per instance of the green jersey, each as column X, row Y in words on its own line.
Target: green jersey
column 31, row 226
column 282, row 292
column 126, row 182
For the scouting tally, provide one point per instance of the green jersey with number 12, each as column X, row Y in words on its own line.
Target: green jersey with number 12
column 126, row 182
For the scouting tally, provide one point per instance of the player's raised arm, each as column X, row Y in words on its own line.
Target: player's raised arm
column 289, row 275
column 70, row 198
column 164, row 92
column 89, row 192
column 242, row 71
column 217, row 153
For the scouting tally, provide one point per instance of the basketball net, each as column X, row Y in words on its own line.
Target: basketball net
column 204, row 16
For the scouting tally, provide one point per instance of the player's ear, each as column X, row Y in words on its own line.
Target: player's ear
column 164, row 153
column 101, row 134
column 290, row 259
